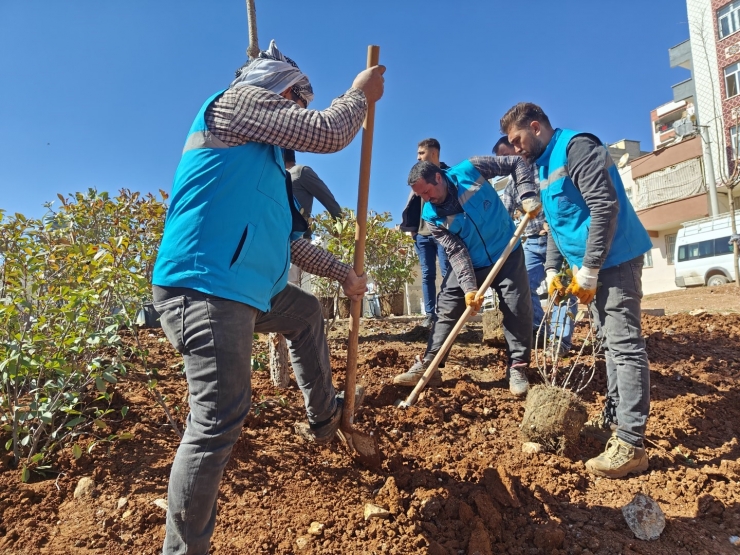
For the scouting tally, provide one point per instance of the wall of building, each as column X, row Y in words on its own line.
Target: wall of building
column 703, row 35
column 661, row 276
column 728, row 53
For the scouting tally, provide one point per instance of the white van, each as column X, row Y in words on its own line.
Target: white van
column 704, row 254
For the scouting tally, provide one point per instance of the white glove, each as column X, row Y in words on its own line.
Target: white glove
column 532, row 206
column 584, row 283
column 550, row 275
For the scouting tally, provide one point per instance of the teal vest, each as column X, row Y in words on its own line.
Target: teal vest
column 228, row 226
column 484, row 225
column 568, row 216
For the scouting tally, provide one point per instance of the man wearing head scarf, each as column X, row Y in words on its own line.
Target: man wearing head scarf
column 231, row 232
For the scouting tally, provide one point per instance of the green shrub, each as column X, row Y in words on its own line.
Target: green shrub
column 68, row 282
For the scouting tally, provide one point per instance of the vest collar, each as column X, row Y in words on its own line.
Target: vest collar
column 544, row 159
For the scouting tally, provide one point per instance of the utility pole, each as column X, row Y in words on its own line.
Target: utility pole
column 709, row 170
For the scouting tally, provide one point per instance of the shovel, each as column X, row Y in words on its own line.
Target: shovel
column 363, row 446
column 411, row 399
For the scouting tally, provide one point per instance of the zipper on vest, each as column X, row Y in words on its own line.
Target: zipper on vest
column 485, row 247
column 239, row 246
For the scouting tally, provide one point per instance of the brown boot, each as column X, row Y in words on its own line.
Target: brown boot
column 618, row 459
column 599, row 428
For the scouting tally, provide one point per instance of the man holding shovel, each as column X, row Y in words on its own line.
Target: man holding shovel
column 466, row 216
column 232, row 229
column 593, row 224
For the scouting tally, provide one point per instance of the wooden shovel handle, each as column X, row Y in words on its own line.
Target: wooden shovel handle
column 411, row 399
column 366, row 153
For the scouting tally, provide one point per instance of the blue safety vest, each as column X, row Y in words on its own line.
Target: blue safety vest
column 228, row 226
column 568, row 216
column 484, row 225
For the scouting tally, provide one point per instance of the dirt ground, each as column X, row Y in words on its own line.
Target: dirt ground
column 453, row 478
column 725, row 298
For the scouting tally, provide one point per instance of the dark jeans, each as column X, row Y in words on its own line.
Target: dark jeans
column 428, row 250
column 214, row 335
column 616, row 311
column 515, row 303
column 535, row 251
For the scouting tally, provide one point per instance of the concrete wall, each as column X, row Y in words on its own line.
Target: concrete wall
column 414, row 291
column 661, row 276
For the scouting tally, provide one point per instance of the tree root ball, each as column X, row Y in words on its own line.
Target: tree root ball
column 553, row 417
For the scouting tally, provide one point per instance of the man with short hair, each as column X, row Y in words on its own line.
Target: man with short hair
column 232, row 229
column 426, row 246
column 593, row 224
column 535, row 251
column 466, row 216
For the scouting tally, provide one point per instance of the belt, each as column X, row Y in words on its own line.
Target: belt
column 537, row 236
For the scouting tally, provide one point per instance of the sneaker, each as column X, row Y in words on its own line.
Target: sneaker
column 323, row 432
column 413, row 375
column 599, row 428
column 517, row 376
column 428, row 321
column 618, row 459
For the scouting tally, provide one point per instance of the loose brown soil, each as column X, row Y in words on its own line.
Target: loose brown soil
column 453, row 476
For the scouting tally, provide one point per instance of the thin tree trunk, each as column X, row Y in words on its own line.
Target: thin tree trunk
column 279, row 360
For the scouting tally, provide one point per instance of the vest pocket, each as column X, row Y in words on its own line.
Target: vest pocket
column 243, row 246
column 562, row 194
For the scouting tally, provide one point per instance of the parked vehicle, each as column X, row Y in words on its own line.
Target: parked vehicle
column 704, row 253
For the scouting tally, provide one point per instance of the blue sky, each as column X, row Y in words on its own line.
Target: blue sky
column 101, row 94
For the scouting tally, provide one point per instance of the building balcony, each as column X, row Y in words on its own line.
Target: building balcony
column 684, row 90
column 680, row 55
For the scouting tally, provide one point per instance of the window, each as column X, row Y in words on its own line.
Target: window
column 734, row 141
column 670, row 246
column 648, row 261
column 731, row 80
column 722, row 246
column 728, row 19
column 705, row 249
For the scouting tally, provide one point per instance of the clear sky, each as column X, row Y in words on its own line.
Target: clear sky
column 101, row 94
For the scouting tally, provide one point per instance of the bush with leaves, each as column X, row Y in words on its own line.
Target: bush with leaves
column 68, row 282
column 387, row 250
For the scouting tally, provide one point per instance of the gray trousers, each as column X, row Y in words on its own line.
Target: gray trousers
column 214, row 335
column 515, row 302
column 616, row 311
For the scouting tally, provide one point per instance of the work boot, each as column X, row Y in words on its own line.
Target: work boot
column 600, row 428
column 517, row 376
column 618, row 459
column 323, row 432
column 413, row 375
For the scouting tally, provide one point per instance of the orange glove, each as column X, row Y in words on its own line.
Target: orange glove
column 554, row 285
column 473, row 302
column 584, row 284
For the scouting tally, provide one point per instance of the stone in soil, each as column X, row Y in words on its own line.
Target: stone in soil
column 84, row 488
column 644, row 517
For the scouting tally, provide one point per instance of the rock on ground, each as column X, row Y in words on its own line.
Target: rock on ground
column 85, row 487
column 644, row 517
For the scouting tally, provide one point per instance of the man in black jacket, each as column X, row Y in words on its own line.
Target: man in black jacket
column 427, row 248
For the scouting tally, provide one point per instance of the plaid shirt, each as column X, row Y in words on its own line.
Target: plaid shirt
column 254, row 114
column 512, row 204
column 247, row 114
column 457, row 251
column 310, row 258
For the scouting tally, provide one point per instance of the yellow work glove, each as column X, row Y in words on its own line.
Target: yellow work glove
column 584, row 284
column 555, row 285
column 532, row 206
column 473, row 302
